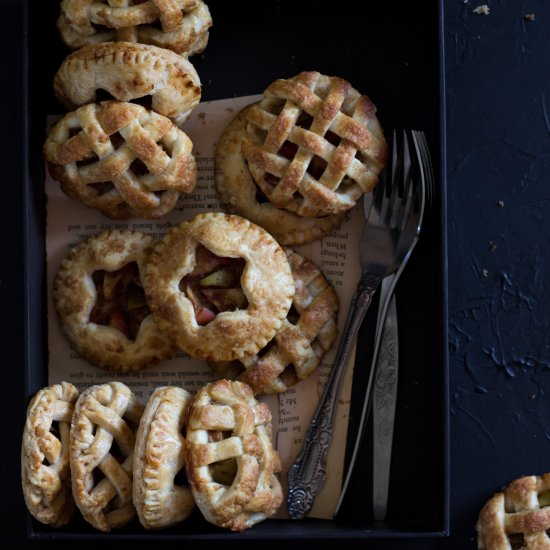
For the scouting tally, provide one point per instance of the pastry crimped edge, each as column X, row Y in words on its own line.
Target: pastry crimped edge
column 47, row 491
column 159, row 456
column 266, row 281
column 237, row 192
column 74, row 299
column 130, row 71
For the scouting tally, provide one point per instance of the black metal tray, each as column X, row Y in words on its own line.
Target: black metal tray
column 393, row 52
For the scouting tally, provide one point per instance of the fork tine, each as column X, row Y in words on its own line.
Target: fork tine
column 427, row 166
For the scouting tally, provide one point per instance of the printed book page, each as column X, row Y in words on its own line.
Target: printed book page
column 69, row 222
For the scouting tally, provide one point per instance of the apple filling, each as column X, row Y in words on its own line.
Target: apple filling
column 214, row 285
column 120, row 301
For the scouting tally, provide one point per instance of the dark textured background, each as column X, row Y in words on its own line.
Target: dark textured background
column 498, row 163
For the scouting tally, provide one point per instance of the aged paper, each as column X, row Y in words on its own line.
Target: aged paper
column 69, row 222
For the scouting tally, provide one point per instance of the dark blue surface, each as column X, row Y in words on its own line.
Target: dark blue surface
column 498, row 170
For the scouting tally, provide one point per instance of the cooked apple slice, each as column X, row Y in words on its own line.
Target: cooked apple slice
column 226, row 299
column 224, row 278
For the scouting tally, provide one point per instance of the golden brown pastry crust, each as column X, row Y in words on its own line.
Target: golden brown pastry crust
column 159, row 456
column 91, row 133
column 226, row 423
column 45, row 472
column 183, row 24
column 314, row 144
column 104, row 415
column 266, row 282
column 238, row 192
column 517, row 517
column 300, row 344
column 130, row 71
column 75, row 296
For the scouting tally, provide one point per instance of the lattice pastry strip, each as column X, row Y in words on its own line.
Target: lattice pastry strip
column 92, row 152
column 230, row 459
column 160, row 455
column 299, row 345
column 183, row 24
column 517, row 517
column 45, row 472
column 104, row 415
column 314, row 144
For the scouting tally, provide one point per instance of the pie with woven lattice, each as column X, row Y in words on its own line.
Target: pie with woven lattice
column 313, row 144
column 231, row 463
column 45, row 471
column 308, row 332
column 129, row 72
column 160, row 500
column 219, row 286
column 179, row 25
column 121, row 159
column 103, row 431
column 239, row 193
column 518, row 517
column 101, row 305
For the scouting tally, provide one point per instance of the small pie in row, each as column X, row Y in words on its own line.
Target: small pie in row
column 121, row 159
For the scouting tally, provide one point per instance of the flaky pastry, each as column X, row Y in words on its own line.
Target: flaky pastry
column 121, row 159
column 101, row 305
column 128, row 72
column 314, row 144
column 45, row 472
column 231, row 463
column 219, row 286
column 299, row 345
column 518, row 517
column 239, row 193
column 159, row 457
column 179, row 25
column 103, row 430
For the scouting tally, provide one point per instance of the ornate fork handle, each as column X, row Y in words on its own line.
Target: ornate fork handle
column 307, row 475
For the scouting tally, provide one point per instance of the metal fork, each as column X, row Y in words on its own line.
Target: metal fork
column 387, row 237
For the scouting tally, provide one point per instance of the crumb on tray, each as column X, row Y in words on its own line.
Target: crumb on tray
column 483, row 9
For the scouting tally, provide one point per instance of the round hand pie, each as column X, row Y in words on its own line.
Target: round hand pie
column 121, row 159
column 159, row 457
column 239, row 193
column 101, row 304
column 179, row 25
column 130, row 71
column 314, row 145
column 103, row 430
column 45, row 472
column 305, row 336
column 231, row 463
column 518, row 517
column 219, row 286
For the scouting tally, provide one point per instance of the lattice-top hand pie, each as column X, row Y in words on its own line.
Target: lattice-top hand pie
column 160, row 499
column 121, row 159
column 314, row 144
column 103, row 431
column 219, row 286
column 239, row 193
column 298, row 347
column 129, row 72
column 45, row 472
column 179, row 25
column 518, row 517
column 231, row 463
column 101, row 305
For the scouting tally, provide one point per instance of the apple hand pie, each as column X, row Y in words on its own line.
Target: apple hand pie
column 219, row 286
column 129, row 72
column 45, row 471
column 159, row 457
column 298, row 347
column 314, row 145
column 231, row 463
column 179, row 25
column 103, row 431
column 101, row 305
